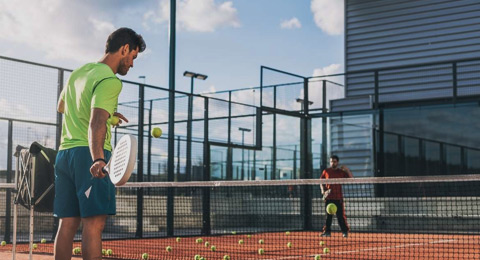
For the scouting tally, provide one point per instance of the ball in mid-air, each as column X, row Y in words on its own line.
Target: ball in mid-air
column 331, row 208
column 144, row 256
column 156, row 132
column 261, row 251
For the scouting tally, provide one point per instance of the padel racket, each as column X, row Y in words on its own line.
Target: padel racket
column 325, row 194
column 122, row 162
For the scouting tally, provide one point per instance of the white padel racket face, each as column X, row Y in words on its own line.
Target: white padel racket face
column 123, row 160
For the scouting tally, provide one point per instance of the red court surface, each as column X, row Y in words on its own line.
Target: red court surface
column 305, row 245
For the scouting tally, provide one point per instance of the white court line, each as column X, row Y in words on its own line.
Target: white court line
column 370, row 249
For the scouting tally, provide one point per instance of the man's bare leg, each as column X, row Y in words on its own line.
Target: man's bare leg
column 92, row 237
column 67, row 228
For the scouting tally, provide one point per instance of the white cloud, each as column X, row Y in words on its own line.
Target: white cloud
column 293, row 23
column 335, row 89
column 328, row 15
column 196, row 15
column 59, row 29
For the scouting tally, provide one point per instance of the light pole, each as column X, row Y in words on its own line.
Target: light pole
column 191, row 75
column 304, row 133
column 243, row 142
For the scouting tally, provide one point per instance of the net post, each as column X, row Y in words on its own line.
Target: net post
column 307, row 159
column 206, row 228
column 8, row 197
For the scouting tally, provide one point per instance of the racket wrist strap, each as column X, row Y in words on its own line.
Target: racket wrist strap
column 99, row 159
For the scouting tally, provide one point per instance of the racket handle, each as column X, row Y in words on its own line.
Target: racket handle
column 104, row 170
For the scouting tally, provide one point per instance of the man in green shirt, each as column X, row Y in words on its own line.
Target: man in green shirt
column 82, row 193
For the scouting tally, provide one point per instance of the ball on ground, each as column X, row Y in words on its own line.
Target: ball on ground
column 289, row 244
column 144, row 256
column 261, row 242
column 261, row 251
column 234, row 232
column 104, row 252
column 326, row 250
column 4, row 243
column 249, row 236
column 178, row 239
column 213, row 248
column 156, row 132
column 240, row 242
column 318, row 257
column 207, row 244
column 287, row 233
column 34, row 246
column 168, row 248
column 109, row 252
column 199, row 240
column 77, row 250
column 43, row 241
column 226, row 257
column 322, row 243
column 197, row 257
column 331, row 208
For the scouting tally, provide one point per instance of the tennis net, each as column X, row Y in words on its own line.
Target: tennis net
column 435, row 217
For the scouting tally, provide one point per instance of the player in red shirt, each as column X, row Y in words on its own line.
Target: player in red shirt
column 332, row 193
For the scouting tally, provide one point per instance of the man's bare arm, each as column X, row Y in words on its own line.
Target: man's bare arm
column 347, row 170
column 96, row 139
column 61, row 106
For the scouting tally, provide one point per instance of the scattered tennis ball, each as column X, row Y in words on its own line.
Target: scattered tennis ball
column 261, row 251
column 197, row 257
column 322, row 243
column 287, row 233
column 156, row 132
column 226, row 257
column 289, row 244
column 203, row 258
column 260, row 241
column 169, row 249
column 4, row 243
column 326, row 250
column 178, row 239
column 34, row 246
column 43, row 241
column 144, row 256
column 331, row 208
column 234, row 232
column 114, row 120
column 199, row 240
column 77, row 250
column 207, row 244
column 109, row 252
column 213, row 248
column 104, row 251
column 318, row 257
column 249, row 236
column 240, row 242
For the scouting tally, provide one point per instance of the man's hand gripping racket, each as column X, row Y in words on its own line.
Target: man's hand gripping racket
column 121, row 164
column 325, row 194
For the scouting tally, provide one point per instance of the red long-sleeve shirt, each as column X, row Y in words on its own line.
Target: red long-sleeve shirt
column 336, row 189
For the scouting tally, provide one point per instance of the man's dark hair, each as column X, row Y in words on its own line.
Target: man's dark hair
column 124, row 36
column 334, row 157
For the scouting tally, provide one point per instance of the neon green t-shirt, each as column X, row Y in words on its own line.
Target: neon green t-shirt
column 92, row 86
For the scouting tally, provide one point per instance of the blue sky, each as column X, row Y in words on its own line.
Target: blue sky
column 227, row 40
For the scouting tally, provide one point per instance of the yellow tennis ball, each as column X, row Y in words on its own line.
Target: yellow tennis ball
column 234, row 232
column 43, row 241
column 260, row 241
column 169, row 249
column 144, row 256
column 35, row 246
column 331, row 208
column 178, row 239
column 156, row 132
column 109, row 252
column 4, row 243
column 207, row 244
column 289, row 244
column 318, row 257
column 114, row 120
column 213, row 248
column 261, row 251
column 287, row 233
column 322, row 243
column 197, row 257
column 226, row 257
column 249, row 236
column 104, row 252
column 326, row 250
column 240, row 242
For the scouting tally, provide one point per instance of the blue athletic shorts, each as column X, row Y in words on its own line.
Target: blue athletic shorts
column 77, row 194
